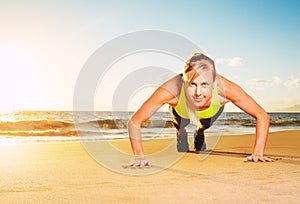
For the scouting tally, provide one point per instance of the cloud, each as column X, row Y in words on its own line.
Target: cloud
column 232, row 62
column 291, row 82
column 275, row 80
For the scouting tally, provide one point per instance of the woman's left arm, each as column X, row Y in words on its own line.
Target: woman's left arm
column 241, row 99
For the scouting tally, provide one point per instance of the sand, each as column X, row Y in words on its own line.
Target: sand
column 65, row 173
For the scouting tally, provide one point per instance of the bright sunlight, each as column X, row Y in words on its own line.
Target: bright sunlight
column 18, row 75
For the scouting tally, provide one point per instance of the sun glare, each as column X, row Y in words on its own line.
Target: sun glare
column 17, row 76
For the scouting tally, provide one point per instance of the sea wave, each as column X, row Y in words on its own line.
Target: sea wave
column 252, row 123
column 60, row 128
column 105, row 123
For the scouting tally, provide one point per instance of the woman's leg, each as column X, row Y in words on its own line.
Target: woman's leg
column 181, row 134
column 199, row 140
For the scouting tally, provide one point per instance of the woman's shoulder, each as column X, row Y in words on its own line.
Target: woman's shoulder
column 225, row 83
column 227, row 89
column 174, row 84
column 223, row 87
column 170, row 90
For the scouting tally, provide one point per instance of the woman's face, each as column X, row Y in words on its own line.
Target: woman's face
column 199, row 91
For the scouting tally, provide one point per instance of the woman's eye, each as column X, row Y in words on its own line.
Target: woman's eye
column 193, row 84
column 205, row 85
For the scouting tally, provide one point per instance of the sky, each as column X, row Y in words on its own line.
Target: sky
column 45, row 44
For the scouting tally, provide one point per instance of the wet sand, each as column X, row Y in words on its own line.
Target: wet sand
column 66, row 173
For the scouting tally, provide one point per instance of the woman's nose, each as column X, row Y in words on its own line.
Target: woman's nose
column 198, row 91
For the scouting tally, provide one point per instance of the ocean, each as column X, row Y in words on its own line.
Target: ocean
column 54, row 126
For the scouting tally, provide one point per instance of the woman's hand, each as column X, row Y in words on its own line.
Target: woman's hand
column 138, row 162
column 257, row 158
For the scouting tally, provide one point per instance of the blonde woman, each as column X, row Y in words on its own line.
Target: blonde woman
column 199, row 93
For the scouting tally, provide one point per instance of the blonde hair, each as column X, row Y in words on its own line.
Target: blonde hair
column 196, row 65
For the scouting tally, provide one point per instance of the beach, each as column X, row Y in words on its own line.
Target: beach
column 64, row 172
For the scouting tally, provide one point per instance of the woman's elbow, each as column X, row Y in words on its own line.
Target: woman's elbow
column 264, row 116
column 132, row 123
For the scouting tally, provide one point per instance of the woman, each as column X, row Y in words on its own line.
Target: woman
column 198, row 94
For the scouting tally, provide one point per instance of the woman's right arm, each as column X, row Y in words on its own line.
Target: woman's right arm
column 135, row 135
column 165, row 94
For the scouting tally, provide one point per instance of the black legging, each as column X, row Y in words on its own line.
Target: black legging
column 180, row 123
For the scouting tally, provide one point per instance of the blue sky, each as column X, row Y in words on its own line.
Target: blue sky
column 44, row 44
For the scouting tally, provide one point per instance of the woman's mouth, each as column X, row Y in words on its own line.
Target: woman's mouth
column 198, row 99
